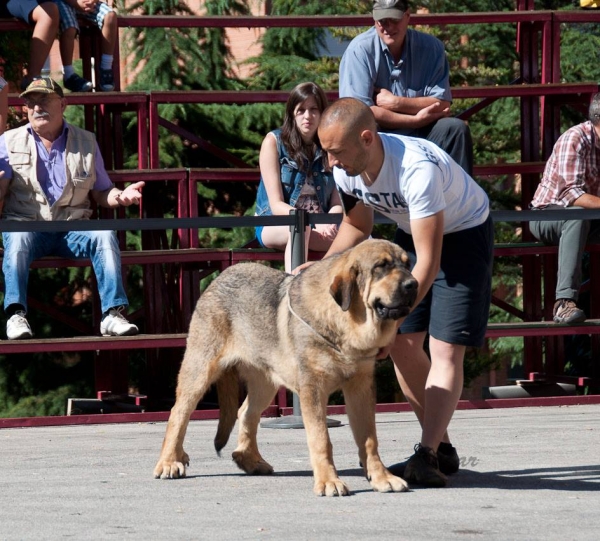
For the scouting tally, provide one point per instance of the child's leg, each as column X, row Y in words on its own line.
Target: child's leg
column 67, row 46
column 69, row 31
column 44, row 17
column 105, row 18
column 110, row 31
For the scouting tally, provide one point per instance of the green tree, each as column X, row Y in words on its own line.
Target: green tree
column 180, row 59
column 291, row 55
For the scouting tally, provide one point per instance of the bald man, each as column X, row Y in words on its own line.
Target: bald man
column 445, row 226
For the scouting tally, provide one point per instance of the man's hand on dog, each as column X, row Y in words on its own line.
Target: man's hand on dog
column 300, row 268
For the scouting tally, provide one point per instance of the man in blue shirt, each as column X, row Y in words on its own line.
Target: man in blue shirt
column 48, row 171
column 403, row 75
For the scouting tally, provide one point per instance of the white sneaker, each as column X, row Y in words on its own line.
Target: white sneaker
column 17, row 327
column 115, row 324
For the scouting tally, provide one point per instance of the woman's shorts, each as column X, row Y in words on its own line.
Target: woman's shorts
column 258, row 232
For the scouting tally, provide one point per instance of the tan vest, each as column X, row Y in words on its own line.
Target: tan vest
column 25, row 198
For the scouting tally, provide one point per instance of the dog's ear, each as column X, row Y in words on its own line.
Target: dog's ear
column 404, row 258
column 342, row 288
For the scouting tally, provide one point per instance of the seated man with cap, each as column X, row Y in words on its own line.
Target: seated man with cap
column 403, row 75
column 48, row 170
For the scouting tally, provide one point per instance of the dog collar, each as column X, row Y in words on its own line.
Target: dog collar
column 326, row 340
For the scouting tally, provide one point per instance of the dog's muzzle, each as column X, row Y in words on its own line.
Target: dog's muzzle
column 407, row 293
column 391, row 312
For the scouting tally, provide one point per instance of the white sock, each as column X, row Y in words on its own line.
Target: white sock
column 68, row 71
column 106, row 62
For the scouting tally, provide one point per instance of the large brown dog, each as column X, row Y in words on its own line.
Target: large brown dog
column 314, row 333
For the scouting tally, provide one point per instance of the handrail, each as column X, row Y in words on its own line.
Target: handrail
column 324, row 21
column 226, row 222
column 281, row 96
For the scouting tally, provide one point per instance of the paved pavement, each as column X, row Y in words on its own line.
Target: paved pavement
column 529, row 473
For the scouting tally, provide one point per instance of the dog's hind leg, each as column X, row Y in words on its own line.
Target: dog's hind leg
column 359, row 396
column 261, row 391
column 197, row 374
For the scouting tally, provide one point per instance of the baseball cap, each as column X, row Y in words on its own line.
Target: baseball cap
column 43, row 85
column 389, row 9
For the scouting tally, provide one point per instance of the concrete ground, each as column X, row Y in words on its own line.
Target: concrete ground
column 528, row 473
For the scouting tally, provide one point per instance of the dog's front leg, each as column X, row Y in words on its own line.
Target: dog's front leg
column 359, row 396
column 314, row 414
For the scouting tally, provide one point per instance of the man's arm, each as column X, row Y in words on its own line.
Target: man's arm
column 587, row 201
column 426, row 110
column 356, row 226
column 106, row 194
column 428, row 235
column 3, row 104
column 5, row 172
column 114, row 197
column 409, row 106
column 3, row 190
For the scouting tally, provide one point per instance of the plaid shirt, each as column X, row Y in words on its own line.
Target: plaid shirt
column 572, row 170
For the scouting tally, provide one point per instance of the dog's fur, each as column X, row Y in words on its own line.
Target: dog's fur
column 314, row 333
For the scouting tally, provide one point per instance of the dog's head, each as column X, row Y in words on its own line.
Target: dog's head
column 376, row 272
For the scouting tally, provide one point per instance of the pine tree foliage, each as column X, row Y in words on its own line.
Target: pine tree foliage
column 302, row 42
column 183, row 58
column 290, row 55
column 180, row 59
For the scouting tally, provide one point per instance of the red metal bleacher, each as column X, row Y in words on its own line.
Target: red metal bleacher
column 550, row 93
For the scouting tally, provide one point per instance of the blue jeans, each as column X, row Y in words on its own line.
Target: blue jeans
column 102, row 247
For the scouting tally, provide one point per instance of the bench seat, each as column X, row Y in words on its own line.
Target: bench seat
column 542, row 328
column 92, row 343
column 142, row 257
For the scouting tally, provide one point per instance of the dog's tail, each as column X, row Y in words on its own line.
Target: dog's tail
column 228, row 389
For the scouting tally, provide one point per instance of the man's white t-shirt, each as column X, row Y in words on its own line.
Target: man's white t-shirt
column 417, row 180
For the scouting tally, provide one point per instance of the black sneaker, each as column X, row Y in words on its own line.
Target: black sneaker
column 107, row 80
column 75, row 83
column 566, row 311
column 448, row 458
column 448, row 461
column 423, row 469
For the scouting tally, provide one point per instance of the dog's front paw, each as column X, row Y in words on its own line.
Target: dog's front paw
column 331, row 487
column 170, row 469
column 388, row 483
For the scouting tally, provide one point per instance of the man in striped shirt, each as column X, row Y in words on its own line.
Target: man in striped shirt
column 571, row 180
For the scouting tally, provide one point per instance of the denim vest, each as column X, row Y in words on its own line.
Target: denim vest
column 292, row 180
